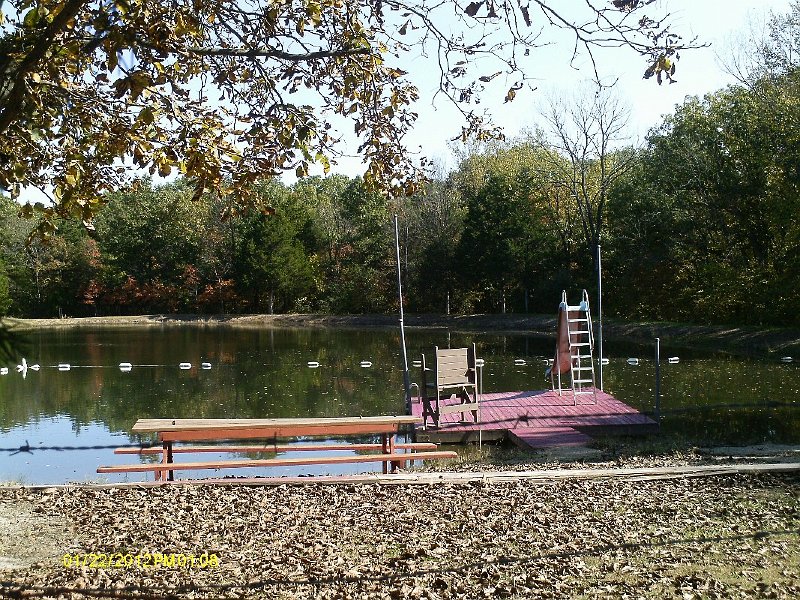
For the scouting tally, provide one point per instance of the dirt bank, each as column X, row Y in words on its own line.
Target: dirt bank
column 735, row 339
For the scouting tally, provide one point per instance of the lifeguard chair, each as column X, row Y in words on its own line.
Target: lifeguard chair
column 454, row 371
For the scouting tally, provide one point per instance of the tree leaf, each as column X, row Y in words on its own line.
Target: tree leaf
column 31, row 18
column 472, row 8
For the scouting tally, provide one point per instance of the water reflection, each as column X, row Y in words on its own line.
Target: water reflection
column 265, row 373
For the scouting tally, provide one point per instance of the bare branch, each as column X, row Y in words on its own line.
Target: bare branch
column 279, row 54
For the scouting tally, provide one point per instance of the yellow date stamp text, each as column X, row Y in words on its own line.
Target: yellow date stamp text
column 147, row 560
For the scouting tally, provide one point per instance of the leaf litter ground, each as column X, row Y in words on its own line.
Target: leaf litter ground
column 710, row 537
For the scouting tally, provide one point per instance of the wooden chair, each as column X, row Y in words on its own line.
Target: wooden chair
column 452, row 369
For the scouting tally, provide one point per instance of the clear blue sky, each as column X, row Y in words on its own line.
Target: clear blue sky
column 698, row 72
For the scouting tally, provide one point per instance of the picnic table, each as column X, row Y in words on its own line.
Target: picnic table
column 172, row 431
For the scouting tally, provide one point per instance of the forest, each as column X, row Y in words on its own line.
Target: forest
column 697, row 224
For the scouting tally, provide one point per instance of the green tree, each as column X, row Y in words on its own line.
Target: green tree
column 644, row 251
column 5, row 296
column 152, row 240
column 705, row 228
column 322, row 197
column 46, row 277
column 431, row 227
column 721, row 183
column 505, row 237
column 63, row 268
column 274, row 269
column 535, row 208
column 363, row 278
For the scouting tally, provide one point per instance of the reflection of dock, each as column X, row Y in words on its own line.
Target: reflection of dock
column 538, row 419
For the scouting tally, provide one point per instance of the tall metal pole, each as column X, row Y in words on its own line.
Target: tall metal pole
column 658, row 382
column 600, row 313
column 406, row 378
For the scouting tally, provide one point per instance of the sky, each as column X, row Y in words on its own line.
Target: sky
column 698, row 72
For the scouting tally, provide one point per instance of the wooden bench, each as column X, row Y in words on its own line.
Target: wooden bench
column 170, row 431
column 452, row 369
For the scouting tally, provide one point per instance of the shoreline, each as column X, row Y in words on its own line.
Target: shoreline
column 738, row 339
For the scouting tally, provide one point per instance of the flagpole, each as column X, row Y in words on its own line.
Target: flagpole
column 600, row 313
column 406, row 378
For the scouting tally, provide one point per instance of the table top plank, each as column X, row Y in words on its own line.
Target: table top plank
column 333, row 425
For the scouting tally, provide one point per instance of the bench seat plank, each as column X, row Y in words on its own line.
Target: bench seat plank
column 279, row 462
column 275, row 448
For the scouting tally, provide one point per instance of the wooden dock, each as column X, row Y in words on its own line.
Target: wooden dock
column 537, row 419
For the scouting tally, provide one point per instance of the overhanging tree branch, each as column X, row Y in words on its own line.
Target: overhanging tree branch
column 13, row 102
column 285, row 79
column 279, row 54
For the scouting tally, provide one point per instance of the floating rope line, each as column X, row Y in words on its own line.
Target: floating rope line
column 28, row 449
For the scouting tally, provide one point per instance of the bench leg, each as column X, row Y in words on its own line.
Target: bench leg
column 166, row 458
column 169, row 459
column 395, row 464
column 385, row 448
column 388, row 447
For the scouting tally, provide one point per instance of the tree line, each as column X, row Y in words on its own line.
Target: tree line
column 699, row 224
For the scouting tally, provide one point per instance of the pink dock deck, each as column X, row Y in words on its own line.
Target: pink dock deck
column 538, row 419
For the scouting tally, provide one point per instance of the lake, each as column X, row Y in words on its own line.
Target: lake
column 72, row 417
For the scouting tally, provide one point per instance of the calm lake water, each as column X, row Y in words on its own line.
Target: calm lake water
column 72, row 419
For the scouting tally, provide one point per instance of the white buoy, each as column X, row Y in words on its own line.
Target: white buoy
column 603, row 361
column 479, row 362
column 520, row 362
column 205, row 365
column 633, row 361
column 365, row 364
column 674, row 360
column 185, row 366
column 125, row 367
column 312, row 364
column 786, row 359
column 64, row 367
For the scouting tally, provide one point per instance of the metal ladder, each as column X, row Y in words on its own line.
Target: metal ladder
column 581, row 347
